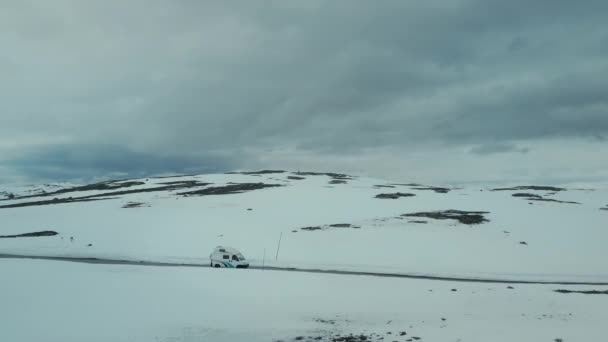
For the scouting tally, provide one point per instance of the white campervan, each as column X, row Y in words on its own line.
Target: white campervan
column 227, row 257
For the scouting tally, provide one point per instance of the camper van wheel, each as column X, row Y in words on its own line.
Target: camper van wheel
column 217, row 266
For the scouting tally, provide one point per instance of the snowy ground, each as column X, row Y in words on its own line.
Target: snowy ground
column 524, row 239
column 563, row 241
column 57, row 301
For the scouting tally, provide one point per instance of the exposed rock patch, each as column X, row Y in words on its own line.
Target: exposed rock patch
column 582, row 292
column 329, row 174
column 325, row 321
column 552, row 200
column 311, row 228
column 56, row 201
column 101, row 186
column 464, row 217
column 335, row 337
column 437, row 189
column 531, row 187
column 261, row 172
column 416, row 186
column 135, row 205
column 186, row 183
column 337, row 181
column 395, row 195
column 172, row 176
column 526, row 195
column 330, row 226
column 295, row 178
column 229, row 189
column 7, row 195
column 341, row 225
column 108, row 195
column 535, row 197
column 34, row 234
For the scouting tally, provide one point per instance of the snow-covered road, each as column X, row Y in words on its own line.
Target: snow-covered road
column 306, row 270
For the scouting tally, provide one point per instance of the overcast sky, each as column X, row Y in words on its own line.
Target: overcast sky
column 446, row 91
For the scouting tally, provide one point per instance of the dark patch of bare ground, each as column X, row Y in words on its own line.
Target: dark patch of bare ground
column 534, row 197
column 336, row 178
column 606, row 208
column 185, row 183
column 336, row 337
column 437, row 189
column 531, row 187
column 7, row 195
column 229, row 189
column 384, row 186
column 173, row 176
column 526, row 195
column 395, row 195
column 464, row 217
column 582, row 292
column 261, row 172
column 331, row 333
column 329, row 226
column 552, row 200
column 135, row 205
column 295, row 178
column 416, row 186
column 328, row 174
column 102, row 186
column 311, row 228
column 55, row 201
column 108, row 195
column 343, row 225
column 34, row 234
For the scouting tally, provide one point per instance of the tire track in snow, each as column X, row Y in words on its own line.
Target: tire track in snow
column 103, row 261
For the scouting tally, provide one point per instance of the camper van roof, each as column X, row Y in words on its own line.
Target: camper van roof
column 227, row 249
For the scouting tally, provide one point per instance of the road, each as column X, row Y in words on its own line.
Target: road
column 292, row 269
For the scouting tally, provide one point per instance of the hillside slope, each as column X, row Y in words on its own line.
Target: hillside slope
column 327, row 221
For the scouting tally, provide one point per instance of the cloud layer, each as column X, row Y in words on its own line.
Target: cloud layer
column 173, row 83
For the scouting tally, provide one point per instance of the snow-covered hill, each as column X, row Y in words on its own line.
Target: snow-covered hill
column 323, row 221
column 540, row 236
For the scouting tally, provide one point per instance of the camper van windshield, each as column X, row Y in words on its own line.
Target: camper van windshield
column 241, row 257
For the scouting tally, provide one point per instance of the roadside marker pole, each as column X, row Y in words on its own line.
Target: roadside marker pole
column 278, row 247
column 264, row 260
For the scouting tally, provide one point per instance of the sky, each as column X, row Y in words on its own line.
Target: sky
column 445, row 92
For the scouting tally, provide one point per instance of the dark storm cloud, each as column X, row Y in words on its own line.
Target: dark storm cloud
column 468, row 72
column 194, row 78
